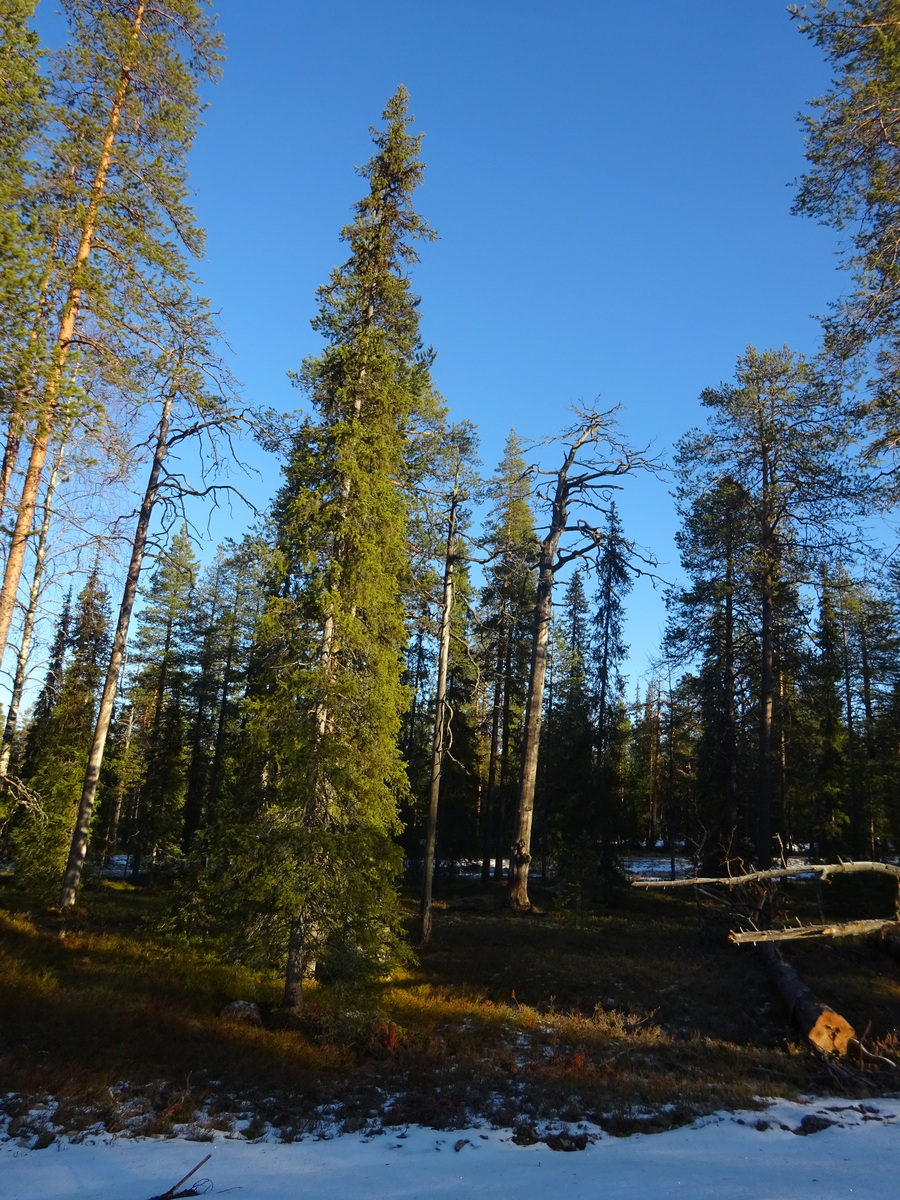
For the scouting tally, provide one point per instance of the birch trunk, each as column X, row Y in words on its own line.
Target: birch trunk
column 440, row 725
column 78, row 849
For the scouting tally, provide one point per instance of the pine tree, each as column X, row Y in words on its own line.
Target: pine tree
column 594, row 456
column 311, row 838
column 112, row 277
column 462, row 440
column 853, row 185
column 776, row 432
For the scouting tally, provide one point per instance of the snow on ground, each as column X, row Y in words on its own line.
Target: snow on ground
column 728, row 1156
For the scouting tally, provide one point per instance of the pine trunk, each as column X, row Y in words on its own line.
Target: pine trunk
column 47, row 413
column 520, row 857
column 34, row 594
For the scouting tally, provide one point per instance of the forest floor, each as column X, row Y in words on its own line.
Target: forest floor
column 636, row 1015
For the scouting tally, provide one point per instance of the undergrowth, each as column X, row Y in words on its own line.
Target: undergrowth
column 640, row 1017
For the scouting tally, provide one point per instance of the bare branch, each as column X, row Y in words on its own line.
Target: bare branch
column 822, row 869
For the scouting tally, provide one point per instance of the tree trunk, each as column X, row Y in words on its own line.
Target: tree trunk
column 520, row 856
column 490, row 801
column 766, row 706
column 440, row 724
column 300, row 965
column 78, row 849
column 47, row 413
column 34, row 593
column 821, row 1025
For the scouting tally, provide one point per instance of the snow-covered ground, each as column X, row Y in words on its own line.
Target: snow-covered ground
column 724, row 1157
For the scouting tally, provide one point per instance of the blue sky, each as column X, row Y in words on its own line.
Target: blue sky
column 611, row 186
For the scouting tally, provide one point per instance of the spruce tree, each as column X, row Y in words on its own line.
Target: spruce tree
column 311, row 840
column 566, row 758
column 158, row 695
column 708, row 622
column 614, row 582
column 504, row 637
column 57, row 742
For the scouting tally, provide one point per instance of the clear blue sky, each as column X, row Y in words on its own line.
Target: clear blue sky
column 610, row 182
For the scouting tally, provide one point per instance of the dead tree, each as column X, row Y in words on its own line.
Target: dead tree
column 595, row 458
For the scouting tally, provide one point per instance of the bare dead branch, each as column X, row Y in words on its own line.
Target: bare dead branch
column 822, row 869
column 846, row 929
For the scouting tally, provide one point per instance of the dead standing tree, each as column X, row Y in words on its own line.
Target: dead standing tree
column 595, row 458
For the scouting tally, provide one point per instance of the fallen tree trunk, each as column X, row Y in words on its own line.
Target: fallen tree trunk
column 847, row 929
column 826, row 1029
column 822, row 869
column 820, row 1024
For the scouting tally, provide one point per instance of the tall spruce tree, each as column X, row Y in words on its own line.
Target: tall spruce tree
column 566, row 762
column 708, row 621
column 311, row 845
column 614, row 582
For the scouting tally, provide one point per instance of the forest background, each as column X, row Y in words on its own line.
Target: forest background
column 611, row 189
column 291, row 711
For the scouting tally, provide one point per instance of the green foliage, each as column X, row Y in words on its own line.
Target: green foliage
column 853, row 185
column 58, row 741
column 309, row 836
column 566, row 767
column 23, row 111
column 153, row 817
column 505, row 636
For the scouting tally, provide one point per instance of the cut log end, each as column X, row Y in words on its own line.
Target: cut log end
column 831, row 1032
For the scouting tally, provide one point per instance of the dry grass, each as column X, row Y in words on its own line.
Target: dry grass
column 642, row 1018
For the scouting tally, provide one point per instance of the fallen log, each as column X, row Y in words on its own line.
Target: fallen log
column 824, row 1028
column 822, row 869
column 846, row 929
